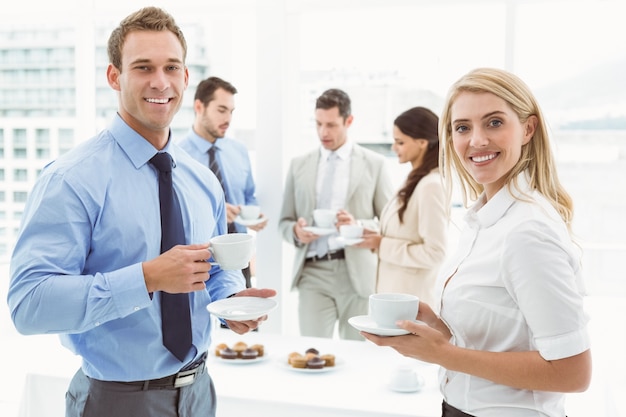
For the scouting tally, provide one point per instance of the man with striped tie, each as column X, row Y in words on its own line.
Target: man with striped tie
column 214, row 103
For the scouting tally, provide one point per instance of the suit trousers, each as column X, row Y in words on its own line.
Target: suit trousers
column 326, row 297
column 88, row 397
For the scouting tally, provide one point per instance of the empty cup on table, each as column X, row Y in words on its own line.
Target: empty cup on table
column 404, row 378
column 233, row 250
column 250, row 212
column 387, row 308
column 351, row 231
column 325, row 218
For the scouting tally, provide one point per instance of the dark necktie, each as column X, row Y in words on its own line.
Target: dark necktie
column 215, row 167
column 175, row 316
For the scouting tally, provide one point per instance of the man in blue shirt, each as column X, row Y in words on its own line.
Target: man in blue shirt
column 87, row 263
column 214, row 104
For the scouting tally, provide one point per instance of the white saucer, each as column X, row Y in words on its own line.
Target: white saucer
column 367, row 324
column 252, row 222
column 348, row 241
column 239, row 361
column 241, row 308
column 321, row 231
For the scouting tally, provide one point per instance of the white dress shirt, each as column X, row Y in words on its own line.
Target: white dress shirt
column 341, row 180
column 514, row 284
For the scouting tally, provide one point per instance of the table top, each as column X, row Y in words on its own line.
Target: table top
column 357, row 385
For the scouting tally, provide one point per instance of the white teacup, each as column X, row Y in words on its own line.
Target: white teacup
column 325, row 218
column 250, row 212
column 387, row 308
column 404, row 378
column 351, row 231
column 233, row 250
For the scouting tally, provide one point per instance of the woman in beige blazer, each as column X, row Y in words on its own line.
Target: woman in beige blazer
column 412, row 239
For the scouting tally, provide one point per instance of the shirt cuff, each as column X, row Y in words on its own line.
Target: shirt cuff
column 564, row 346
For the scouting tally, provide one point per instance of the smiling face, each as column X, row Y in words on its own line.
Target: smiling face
column 488, row 136
column 213, row 120
column 151, row 82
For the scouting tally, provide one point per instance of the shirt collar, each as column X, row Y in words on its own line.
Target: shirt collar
column 486, row 213
column 343, row 152
column 200, row 143
column 135, row 146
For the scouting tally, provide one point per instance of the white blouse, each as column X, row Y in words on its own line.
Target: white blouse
column 517, row 287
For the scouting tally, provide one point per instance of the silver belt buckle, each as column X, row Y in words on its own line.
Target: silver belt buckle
column 185, row 378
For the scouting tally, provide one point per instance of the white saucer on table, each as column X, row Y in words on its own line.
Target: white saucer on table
column 249, row 222
column 240, row 361
column 349, row 241
column 367, row 324
column 321, row 231
column 241, row 308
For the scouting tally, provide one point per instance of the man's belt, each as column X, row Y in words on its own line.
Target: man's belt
column 328, row 256
column 185, row 377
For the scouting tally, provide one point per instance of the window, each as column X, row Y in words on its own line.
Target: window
column 19, row 153
column 42, row 137
column 20, row 175
column 20, row 196
column 19, row 137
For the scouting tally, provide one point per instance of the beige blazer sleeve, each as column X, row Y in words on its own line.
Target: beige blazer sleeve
column 298, row 201
column 411, row 252
column 421, row 240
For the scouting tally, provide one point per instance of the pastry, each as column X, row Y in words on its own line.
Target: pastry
column 249, row 353
column 293, row 355
column 259, row 348
column 311, row 359
column 219, row 348
column 239, row 347
column 228, row 353
column 299, row 361
column 315, row 363
column 329, row 358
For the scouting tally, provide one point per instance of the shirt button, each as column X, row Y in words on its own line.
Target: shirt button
column 97, row 323
column 136, row 309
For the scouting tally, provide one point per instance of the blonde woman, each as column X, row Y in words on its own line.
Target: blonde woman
column 412, row 240
column 511, row 337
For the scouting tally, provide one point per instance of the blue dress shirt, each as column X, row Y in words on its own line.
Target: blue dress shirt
column 90, row 221
column 235, row 167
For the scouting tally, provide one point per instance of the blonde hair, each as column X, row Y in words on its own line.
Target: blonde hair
column 536, row 157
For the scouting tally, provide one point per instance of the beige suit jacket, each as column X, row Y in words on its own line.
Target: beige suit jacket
column 369, row 190
column 411, row 252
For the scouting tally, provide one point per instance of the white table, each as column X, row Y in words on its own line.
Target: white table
column 356, row 387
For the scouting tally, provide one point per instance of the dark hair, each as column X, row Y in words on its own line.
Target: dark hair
column 205, row 92
column 418, row 123
column 335, row 98
column 148, row 18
